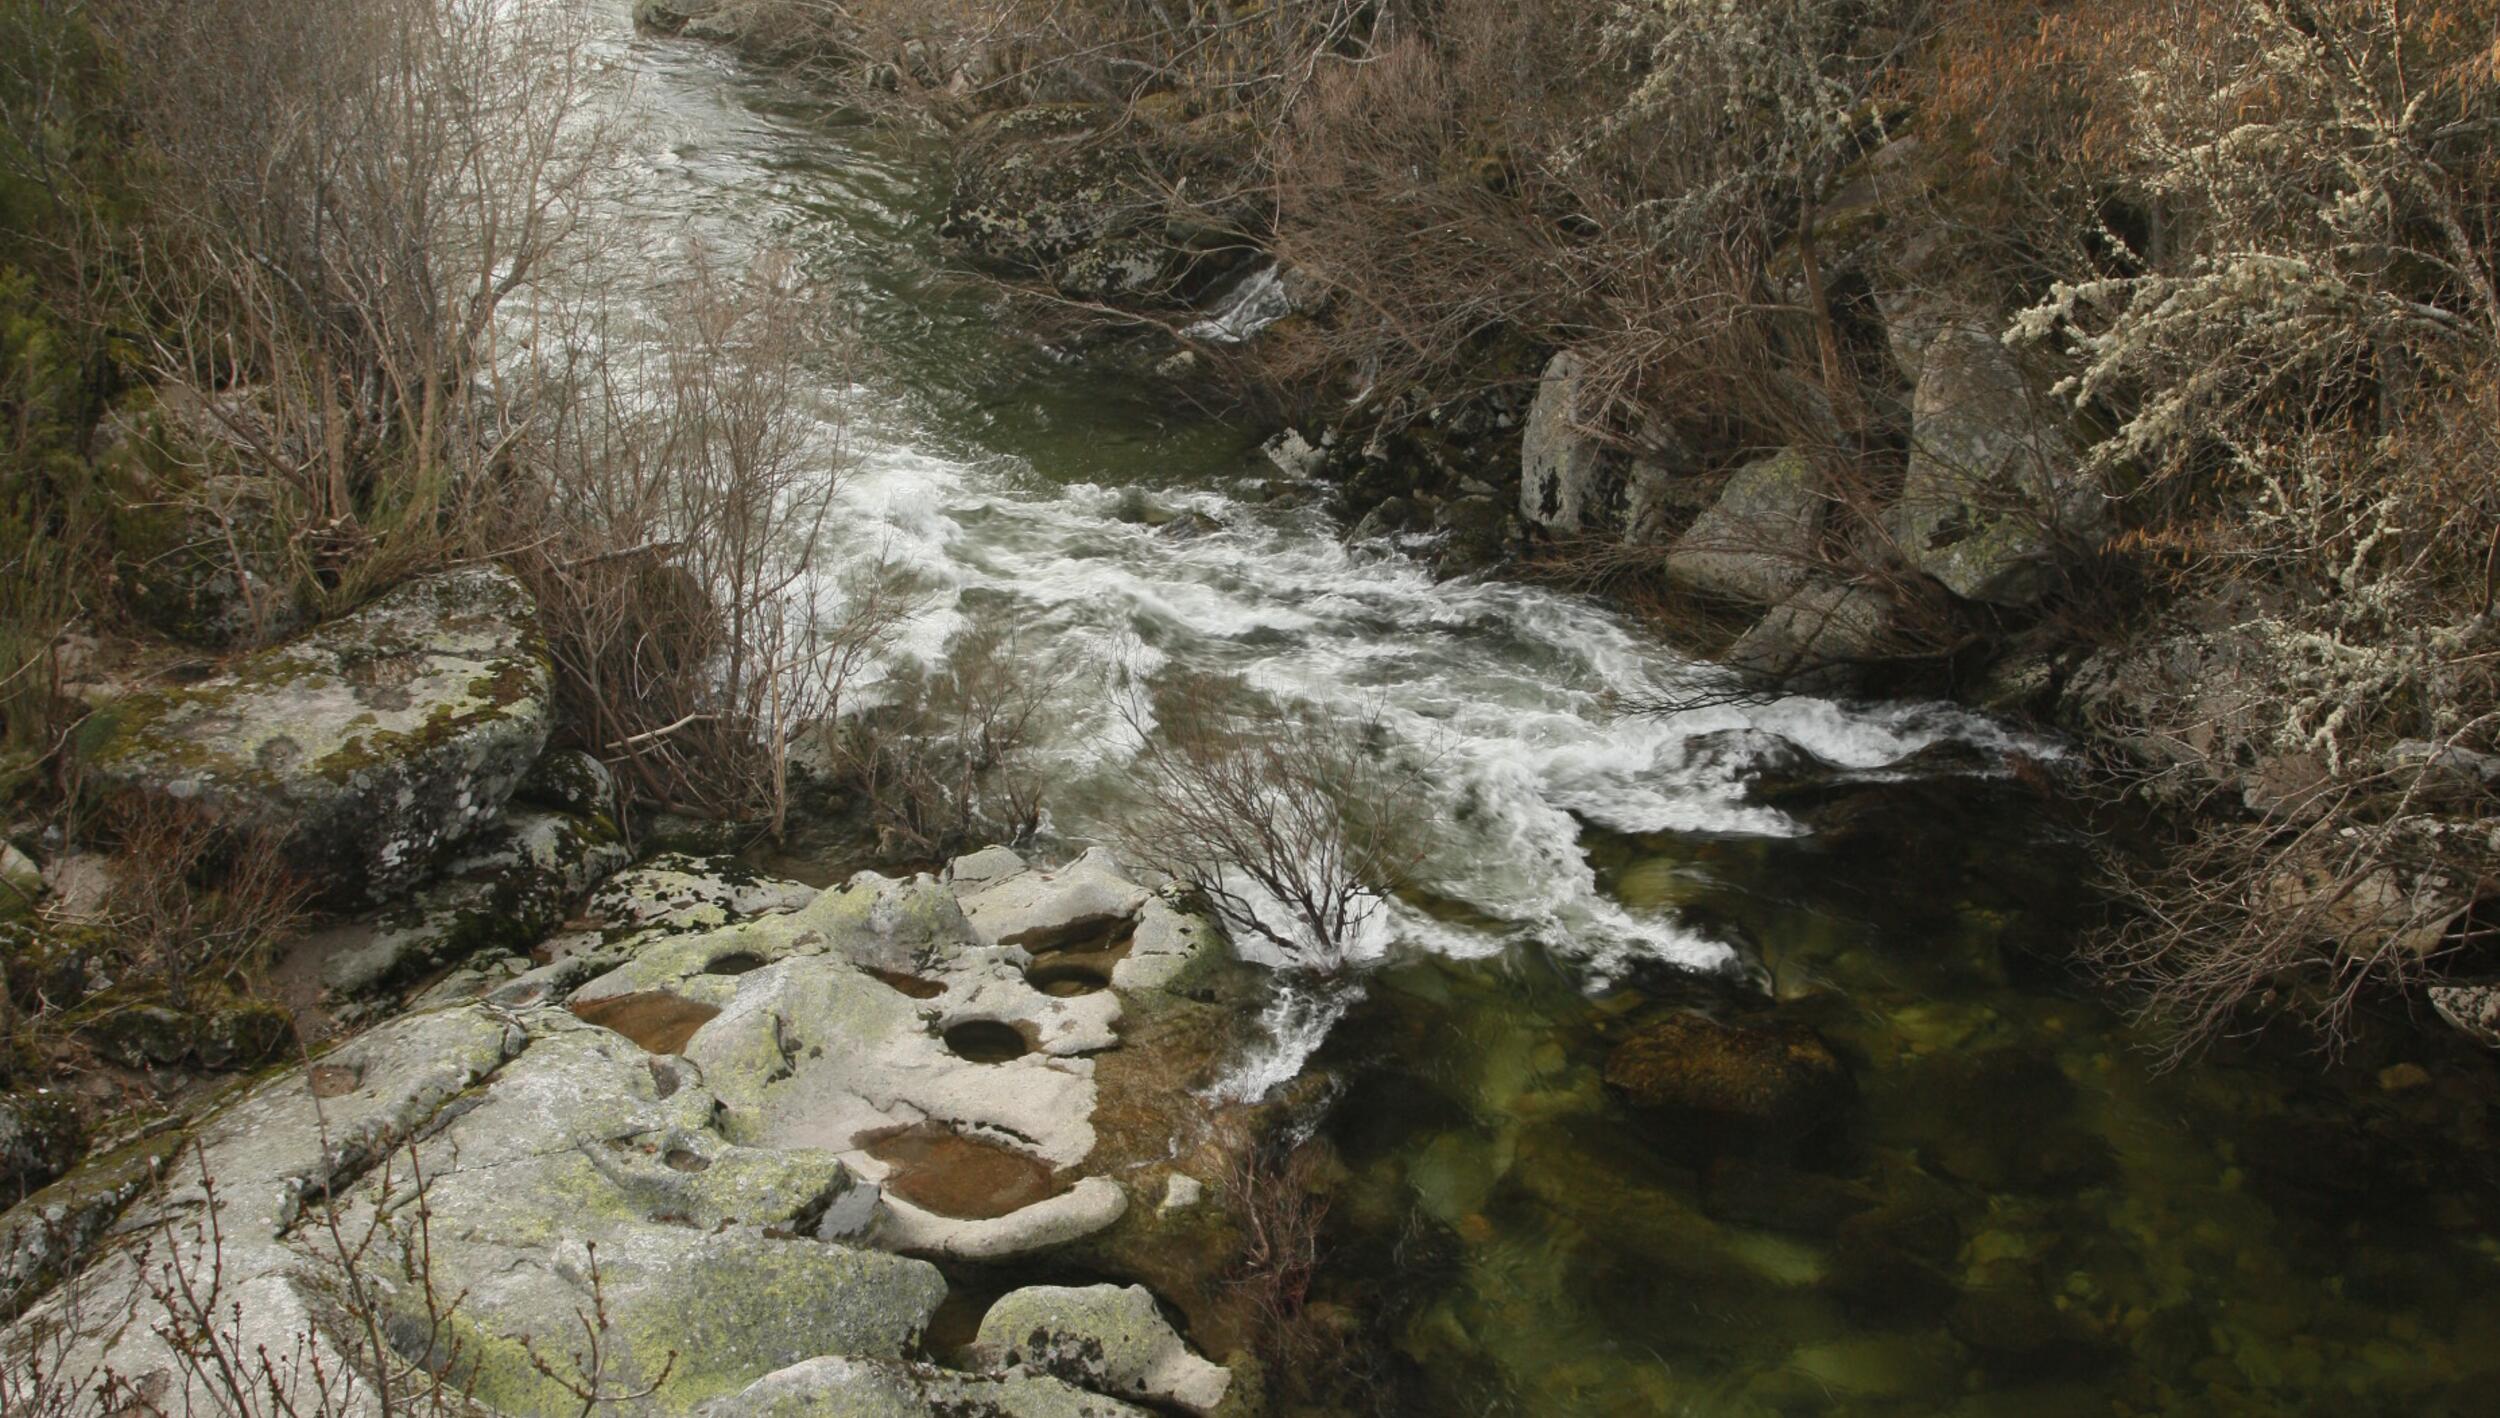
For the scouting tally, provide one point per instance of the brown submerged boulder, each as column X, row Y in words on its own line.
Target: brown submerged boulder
column 1763, row 1078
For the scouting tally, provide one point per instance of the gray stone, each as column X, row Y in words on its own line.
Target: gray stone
column 1996, row 492
column 2474, row 1010
column 1040, row 909
column 364, row 747
column 21, row 884
column 1757, row 542
column 1818, row 635
column 867, row 1388
column 1108, row 1338
column 508, row 890
column 1562, row 467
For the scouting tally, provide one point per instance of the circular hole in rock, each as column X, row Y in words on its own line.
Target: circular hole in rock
column 661, row 1023
column 970, row 1178
column 1067, row 979
column 987, row 1041
column 901, row 983
column 681, row 1160
column 736, row 962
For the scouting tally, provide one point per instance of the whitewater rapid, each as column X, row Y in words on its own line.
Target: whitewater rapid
column 1510, row 693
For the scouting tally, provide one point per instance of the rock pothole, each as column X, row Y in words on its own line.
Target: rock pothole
column 956, row 1175
column 987, row 1041
column 660, row 1023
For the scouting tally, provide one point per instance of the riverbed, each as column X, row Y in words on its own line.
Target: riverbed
column 2016, row 1210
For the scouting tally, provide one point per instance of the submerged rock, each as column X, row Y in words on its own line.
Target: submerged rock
column 1108, row 1338
column 1770, row 1080
column 364, row 747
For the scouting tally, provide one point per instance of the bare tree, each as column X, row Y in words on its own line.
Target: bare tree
column 706, row 610
column 1294, row 823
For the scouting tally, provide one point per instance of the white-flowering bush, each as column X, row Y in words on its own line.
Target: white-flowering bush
column 2299, row 368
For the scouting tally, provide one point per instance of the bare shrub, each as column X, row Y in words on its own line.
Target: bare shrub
column 948, row 760
column 700, row 614
column 1294, row 824
column 345, row 197
column 191, row 902
column 1280, row 1194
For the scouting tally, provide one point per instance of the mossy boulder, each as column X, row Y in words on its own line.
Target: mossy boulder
column 44, row 1237
column 1757, row 542
column 219, row 1032
column 1108, row 1338
column 41, row 1134
column 363, row 748
column 1996, row 496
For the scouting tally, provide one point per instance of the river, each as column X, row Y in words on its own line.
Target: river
column 2016, row 1214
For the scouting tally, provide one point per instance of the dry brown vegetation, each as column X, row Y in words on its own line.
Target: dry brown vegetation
column 2254, row 240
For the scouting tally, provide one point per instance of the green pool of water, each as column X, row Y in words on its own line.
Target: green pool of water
column 2017, row 1213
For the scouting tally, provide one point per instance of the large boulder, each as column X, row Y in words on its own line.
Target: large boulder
column 364, row 747
column 1820, row 636
column 1108, row 1338
column 1567, row 485
column 1757, row 542
column 1996, row 493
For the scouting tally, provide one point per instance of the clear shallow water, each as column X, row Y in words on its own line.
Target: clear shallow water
column 2056, row 1230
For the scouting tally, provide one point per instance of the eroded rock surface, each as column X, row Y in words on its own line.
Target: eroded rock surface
column 739, row 1143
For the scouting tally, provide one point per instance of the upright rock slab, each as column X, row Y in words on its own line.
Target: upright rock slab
column 1995, row 486
column 365, row 746
column 1564, row 485
column 1756, row 542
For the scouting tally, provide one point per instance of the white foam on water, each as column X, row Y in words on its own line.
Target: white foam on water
column 1506, row 699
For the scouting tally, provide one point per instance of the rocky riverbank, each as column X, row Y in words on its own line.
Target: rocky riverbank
column 746, row 1123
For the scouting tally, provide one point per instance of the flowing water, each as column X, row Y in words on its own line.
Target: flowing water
column 2013, row 1215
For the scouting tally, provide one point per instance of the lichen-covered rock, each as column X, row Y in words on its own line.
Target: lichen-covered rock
column 51, row 1233
column 1108, row 1338
column 1996, row 492
column 1819, row 636
column 1035, row 188
column 507, row 890
column 570, row 781
column 40, row 1136
column 869, row 1388
column 364, row 747
column 1565, row 482
column 2474, row 1010
column 1757, row 542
